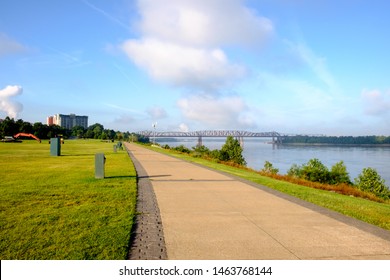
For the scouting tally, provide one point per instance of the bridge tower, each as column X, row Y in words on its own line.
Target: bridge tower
column 241, row 140
column 200, row 143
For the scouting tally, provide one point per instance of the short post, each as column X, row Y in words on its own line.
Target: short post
column 100, row 161
column 55, row 147
column 114, row 148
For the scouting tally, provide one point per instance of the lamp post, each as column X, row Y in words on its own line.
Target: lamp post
column 154, row 133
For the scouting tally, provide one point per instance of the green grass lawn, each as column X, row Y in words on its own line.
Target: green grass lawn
column 54, row 208
column 368, row 211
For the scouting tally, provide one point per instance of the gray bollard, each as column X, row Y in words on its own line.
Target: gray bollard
column 55, row 146
column 100, row 161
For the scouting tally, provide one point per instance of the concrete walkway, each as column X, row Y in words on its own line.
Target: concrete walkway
column 208, row 215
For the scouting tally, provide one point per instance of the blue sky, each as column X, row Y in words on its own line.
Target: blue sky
column 291, row 66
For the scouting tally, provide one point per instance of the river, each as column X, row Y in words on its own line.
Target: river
column 258, row 150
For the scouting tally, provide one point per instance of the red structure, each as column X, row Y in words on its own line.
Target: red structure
column 27, row 135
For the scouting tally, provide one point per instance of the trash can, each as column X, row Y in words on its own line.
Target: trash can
column 55, row 147
column 100, row 161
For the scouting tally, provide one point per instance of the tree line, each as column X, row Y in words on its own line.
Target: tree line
column 10, row 127
column 231, row 152
column 337, row 140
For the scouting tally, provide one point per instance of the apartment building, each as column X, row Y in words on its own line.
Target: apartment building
column 68, row 121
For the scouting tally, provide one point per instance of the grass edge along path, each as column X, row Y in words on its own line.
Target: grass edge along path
column 54, row 208
column 371, row 212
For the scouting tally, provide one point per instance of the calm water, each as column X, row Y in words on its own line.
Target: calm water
column 257, row 151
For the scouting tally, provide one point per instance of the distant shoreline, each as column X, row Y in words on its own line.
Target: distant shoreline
column 330, row 144
column 345, row 141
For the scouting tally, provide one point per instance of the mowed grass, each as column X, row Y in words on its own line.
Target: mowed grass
column 54, row 208
column 362, row 209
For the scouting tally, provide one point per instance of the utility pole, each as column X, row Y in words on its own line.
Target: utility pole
column 154, row 133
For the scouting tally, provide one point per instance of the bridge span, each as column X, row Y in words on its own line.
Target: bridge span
column 238, row 134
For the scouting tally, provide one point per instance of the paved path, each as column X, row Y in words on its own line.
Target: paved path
column 208, row 215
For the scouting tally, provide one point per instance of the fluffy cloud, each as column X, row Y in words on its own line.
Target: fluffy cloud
column 182, row 43
column 10, row 107
column 376, row 103
column 203, row 23
column 218, row 112
column 182, row 65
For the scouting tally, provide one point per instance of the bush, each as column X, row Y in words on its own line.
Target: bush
column 315, row 171
column 339, row 174
column 269, row 168
column 232, row 151
column 182, row 149
column 200, row 151
column 294, row 171
column 370, row 181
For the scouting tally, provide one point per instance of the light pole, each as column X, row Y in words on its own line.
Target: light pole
column 154, row 133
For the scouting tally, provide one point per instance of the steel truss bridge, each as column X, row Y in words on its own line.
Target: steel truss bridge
column 238, row 134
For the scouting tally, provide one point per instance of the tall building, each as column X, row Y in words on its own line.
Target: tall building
column 68, row 121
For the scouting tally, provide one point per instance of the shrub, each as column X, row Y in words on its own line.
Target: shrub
column 294, row 171
column 232, row 151
column 339, row 174
column 269, row 168
column 200, row 151
column 182, row 149
column 315, row 171
column 370, row 181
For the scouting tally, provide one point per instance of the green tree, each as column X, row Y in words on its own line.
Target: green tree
column 232, row 151
column 182, row 149
column 41, row 130
column 294, row 171
column 314, row 170
column 119, row 136
column 103, row 136
column 370, row 181
column 8, row 127
column 78, row 131
column 269, row 168
column 339, row 174
column 94, row 131
column 199, row 151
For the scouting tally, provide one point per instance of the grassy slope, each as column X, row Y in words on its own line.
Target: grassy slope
column 54, row 208
column 371, row 212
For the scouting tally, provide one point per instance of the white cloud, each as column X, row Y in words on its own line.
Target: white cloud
column 183, row 66
column 182, row 41
column 203, row 23
column 10, row 107
column 376, row 102
column 10, row 46
column 156, row 112
column 183, row 127
column 216, row 112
